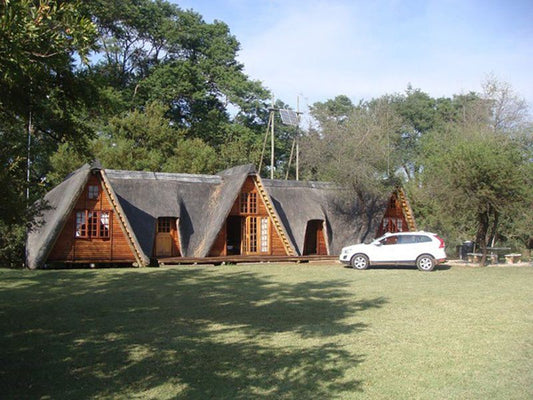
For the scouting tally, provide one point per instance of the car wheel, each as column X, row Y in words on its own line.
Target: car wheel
column 425, row 263
column 360, row 261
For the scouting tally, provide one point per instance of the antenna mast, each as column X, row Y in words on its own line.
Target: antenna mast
column 289, row 117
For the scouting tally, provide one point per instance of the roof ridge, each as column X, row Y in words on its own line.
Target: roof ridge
column 177, row 176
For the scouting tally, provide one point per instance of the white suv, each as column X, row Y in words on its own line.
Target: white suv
column 421, row 248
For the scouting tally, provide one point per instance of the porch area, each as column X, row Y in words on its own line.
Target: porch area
column 236, row 259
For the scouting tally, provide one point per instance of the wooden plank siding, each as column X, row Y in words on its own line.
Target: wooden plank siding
column 115, row 248
column 322, row 248
column 394, row 218
column 219, row 247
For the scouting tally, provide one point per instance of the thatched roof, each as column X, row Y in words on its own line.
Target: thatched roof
column 56, row 207
column 202, row 203
column 298, row 202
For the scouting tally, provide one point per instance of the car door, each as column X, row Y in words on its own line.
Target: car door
column 408, row 248
column 387, row 250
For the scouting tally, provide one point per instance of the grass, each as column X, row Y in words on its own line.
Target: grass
column 267, row 332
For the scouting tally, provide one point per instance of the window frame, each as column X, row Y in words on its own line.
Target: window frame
column 93, row 192
column 93, row 224
column 165, row 224
column 248, row 203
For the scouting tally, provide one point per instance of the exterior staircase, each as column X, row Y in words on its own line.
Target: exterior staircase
column 407, row 211
column 273, row 217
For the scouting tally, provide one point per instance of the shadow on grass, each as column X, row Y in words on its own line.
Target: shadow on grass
column 175, row 333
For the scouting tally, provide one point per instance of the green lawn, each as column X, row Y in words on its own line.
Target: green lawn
column 285, row 331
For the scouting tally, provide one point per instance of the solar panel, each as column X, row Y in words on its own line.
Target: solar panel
column 288, row 117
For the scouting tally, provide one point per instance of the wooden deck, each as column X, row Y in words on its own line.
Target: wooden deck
column 242, row 259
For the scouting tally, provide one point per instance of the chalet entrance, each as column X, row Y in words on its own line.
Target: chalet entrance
column 166, row 238
column 233, row 235
column 256, row 231
column 315, row 242
column 250, row 228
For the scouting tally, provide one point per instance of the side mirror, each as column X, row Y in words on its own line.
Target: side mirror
column 377, row 243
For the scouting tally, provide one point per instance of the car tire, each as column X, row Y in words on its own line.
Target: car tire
column 359, row 261
column 425, row 263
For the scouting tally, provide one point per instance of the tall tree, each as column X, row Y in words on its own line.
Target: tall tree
column 476, row 175
column 356, row 151
column 43, row 101
column 154, row 51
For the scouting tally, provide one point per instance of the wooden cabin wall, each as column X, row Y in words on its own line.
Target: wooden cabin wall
column 276, row 244
column 395, row 213
column 322, row 249
column 68, row 248
column 219, row 247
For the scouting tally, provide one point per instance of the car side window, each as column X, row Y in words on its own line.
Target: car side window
column 390, row 240
column 406, row 239
column 422, row 239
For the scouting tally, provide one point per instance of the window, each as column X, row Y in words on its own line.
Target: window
column 252, row 248
column 422, row 239
column 244, row 203
column 92, row 192
column 406, row 239
column 390, row 240
column 164, row 225
column 81, row 226
column 248, row 203
column 252, row 203
column 92, row 224
column 392, row 225
column 264, row 235
column 256, row 234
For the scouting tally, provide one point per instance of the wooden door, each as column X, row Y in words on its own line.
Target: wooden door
column 166, row 238
column 256, row 234
column 163, row 245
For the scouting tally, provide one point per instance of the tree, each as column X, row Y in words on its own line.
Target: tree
column 154, row 51
column 477, row 177
column 355, row 151
column 42, row 100
column 507, row 111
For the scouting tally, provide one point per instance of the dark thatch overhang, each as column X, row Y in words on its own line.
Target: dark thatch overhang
column 55, row 210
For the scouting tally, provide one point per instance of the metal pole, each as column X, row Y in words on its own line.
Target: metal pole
column 297, row 159
column 297, row 138
column 272, row 149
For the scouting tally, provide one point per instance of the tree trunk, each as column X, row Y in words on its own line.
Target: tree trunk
column 481, row 237
column 494, row 226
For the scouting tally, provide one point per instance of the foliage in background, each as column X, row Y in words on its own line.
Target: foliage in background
column 466, row 161
column 354, row 148
column 41, row 93
column 145, row 85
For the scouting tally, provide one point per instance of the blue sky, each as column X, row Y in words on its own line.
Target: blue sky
column 318, row 49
